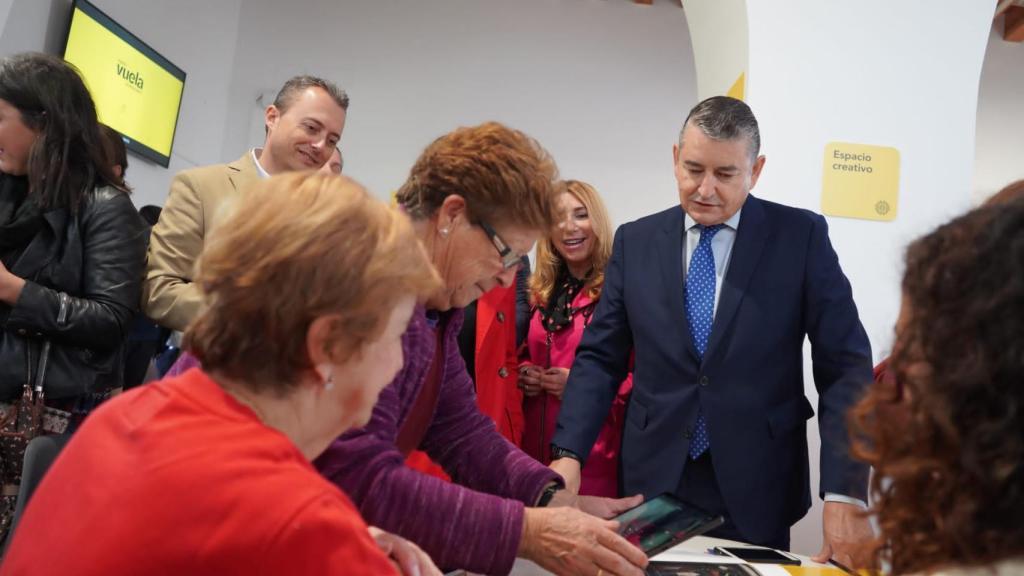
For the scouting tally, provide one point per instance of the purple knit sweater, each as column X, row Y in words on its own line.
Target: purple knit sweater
column 476, row 521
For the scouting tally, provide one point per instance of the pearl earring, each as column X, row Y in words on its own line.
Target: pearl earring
column 444, row 232
column 327, row 375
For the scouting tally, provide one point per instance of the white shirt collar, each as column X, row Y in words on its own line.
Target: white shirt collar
column 256, row 160
column 733, row 222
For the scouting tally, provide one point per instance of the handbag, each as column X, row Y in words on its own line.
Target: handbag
column 23, row 420
column 28, row 416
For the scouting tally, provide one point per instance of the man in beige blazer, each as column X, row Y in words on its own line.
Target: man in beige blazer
column 303, row 127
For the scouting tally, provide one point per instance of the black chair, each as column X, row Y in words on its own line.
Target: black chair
column 39, row 455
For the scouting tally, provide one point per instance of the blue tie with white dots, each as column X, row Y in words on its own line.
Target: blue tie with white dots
column 700, row 311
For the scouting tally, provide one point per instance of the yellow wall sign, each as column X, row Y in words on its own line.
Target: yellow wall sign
column 860, row 181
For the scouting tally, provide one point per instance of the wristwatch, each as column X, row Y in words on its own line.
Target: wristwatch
column 547, row 495
column 559, row 452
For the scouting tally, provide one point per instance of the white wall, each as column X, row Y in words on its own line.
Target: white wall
column 5, row 10
column 603, row 85
column 203, row 46
column 719, row 35
column 36, row 25
column 899, row 74
column 999, row 153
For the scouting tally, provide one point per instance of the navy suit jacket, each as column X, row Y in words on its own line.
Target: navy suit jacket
column 783, row 282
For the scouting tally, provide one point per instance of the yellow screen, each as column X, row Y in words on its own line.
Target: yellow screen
column 133, row 94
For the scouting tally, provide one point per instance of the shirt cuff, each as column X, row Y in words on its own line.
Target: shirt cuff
column 831, row 497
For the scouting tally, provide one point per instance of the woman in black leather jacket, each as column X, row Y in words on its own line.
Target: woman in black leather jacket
column 72, row 251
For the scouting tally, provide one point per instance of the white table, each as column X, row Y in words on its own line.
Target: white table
column 693, row 550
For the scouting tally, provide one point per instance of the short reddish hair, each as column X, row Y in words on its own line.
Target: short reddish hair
column 296, row 247
column 505, row 176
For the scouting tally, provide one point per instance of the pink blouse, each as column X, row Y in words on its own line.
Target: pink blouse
column 600, row 475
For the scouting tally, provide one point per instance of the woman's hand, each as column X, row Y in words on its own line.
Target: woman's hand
column 599, row 506
column 408, row 558
column 553, row 381
column 607, row 507
column 529, row 379
column 565, row 540
column 10, row 286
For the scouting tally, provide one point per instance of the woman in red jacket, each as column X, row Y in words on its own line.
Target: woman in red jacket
column 564, row 290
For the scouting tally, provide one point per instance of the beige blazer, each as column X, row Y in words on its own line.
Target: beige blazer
column 168, row 295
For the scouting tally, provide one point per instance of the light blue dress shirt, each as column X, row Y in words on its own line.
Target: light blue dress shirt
column 721, row 248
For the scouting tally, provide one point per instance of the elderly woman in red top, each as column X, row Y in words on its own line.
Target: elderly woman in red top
column 308, row 288
column 565, row 289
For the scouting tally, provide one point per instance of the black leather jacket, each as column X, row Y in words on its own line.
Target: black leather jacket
column 83, row 276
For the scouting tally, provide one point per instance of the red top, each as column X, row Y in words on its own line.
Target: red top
column 177, row 477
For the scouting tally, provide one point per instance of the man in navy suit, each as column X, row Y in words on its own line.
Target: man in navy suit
column 716, row 299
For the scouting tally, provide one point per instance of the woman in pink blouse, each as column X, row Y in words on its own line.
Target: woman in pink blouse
column 564, row 292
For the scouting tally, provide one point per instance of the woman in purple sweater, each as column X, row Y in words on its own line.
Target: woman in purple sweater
column 479, row 198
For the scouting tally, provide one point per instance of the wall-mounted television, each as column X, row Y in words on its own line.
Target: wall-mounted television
column 136, row 90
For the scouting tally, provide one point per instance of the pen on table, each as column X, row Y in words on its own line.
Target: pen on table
column 842, row 567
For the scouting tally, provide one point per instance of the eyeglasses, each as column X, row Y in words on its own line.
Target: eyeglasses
column 509, row 259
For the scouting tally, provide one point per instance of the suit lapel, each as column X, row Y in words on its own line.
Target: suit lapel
column 751, row 237
column 670, row 248
column 243, row 172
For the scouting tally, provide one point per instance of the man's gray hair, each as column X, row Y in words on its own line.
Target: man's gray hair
column 725, row 118
column 295, row 85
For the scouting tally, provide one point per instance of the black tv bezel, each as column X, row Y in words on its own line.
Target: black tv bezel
column 120, row 31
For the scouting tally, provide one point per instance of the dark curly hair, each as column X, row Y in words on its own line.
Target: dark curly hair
column 946, row 435
column 1011, row 192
